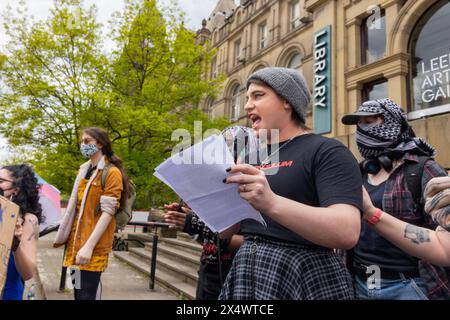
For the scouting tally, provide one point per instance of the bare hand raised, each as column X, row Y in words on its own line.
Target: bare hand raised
column 253, row 186
column 174, row 216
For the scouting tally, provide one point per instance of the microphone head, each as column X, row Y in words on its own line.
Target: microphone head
column 241, row 142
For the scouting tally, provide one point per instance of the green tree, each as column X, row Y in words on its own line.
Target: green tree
column 58, row 81
column 156, row 84
column 50, row 71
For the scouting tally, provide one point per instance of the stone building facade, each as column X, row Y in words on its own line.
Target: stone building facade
column 348, row 50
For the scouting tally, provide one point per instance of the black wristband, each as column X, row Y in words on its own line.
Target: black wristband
column 188, row 222
column 15, row 244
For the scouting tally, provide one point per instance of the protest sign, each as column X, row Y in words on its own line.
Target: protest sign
column 9, row 213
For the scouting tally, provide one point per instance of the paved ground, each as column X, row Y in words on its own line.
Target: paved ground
column 120, row 282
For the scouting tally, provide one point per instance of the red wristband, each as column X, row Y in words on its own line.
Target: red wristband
column 373, row 220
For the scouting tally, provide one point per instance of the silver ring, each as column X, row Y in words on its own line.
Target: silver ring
column 244, row 186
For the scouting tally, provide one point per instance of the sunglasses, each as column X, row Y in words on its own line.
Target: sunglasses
column 87, row 141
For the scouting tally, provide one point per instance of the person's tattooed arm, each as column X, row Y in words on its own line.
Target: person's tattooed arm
column 430, row 245
column 35, row 233
column 416, row 234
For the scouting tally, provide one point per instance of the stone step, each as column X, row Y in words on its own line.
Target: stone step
column 189, row 246
column 148, row 237
column 142, row 237
column 182, row 289
column 176, row 255
column 176, row 269
column 184, row 236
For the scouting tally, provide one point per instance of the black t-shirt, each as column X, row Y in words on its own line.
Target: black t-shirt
column 312, row 170
column 373, row 249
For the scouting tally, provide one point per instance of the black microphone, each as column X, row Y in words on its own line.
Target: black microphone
column 237, row 139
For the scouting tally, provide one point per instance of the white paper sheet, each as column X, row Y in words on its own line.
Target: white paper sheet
column 198, row 181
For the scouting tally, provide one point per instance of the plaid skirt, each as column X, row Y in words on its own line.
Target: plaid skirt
column 268, row 270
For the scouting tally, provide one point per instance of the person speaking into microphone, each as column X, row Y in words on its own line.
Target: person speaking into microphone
column 311, row 204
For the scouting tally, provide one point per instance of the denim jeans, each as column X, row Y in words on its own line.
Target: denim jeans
column 399, row 289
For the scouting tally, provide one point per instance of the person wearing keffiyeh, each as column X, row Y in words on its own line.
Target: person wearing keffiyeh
column 396, row 228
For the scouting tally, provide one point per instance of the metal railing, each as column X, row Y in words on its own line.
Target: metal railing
column 150, row 224
column 155, row 225
column 48, row 230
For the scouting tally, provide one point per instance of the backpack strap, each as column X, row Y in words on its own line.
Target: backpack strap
column 105, row 174
column 103, row 182
column 413, row 176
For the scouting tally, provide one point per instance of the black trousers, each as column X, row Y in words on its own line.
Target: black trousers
column 89, row 285
column 203, row 293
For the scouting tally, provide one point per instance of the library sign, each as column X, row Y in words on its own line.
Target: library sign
column 322, row 81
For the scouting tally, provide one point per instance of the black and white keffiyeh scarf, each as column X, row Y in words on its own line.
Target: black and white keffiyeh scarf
column 394, row 135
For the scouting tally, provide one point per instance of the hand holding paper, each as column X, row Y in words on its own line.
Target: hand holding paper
column 196, row 175
column 253, row 186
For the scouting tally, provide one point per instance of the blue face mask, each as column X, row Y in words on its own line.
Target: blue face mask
column 88, row 150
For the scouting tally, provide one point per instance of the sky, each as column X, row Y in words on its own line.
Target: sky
column 196, row 11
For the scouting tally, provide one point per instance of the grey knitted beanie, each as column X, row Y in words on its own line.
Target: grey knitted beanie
column 289, row 84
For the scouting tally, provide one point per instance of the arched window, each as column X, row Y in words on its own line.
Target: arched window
column 295, row 61
column 259, row 67
column 209, row 108
column 373, row 36
column 430, row 61
column 235, row 106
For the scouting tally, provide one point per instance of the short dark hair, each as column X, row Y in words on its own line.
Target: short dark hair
column 295, row 117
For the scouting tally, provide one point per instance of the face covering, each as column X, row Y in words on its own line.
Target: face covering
column 88, row 150
column 392, row 136
column 374, row 138
column 367, row 126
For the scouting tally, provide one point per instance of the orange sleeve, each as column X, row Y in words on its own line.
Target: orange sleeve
column 114, row 185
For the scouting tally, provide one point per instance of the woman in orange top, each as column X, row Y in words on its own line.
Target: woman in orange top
column 88, row 225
